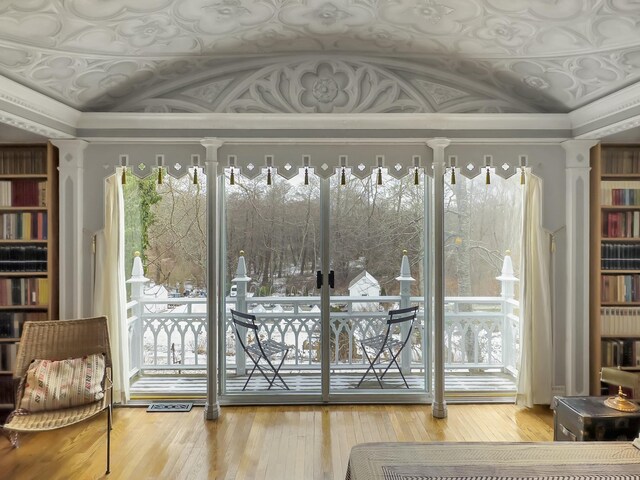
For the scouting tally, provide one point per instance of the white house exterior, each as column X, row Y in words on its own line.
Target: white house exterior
column 364, row 285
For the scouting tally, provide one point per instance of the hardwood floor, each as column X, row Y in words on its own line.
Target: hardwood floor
column 297, row 442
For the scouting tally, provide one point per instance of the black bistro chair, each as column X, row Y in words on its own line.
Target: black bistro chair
column 260, row 352
column 391, row 341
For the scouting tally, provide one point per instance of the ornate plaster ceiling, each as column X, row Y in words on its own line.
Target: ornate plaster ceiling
column 420, row 55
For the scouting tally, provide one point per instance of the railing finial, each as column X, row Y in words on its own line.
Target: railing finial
column 137, row 280
column 507, row 278
column 405, row 270
column 137, row 270
column 241, row 270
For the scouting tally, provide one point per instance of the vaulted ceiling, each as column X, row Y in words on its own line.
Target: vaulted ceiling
column 313, row 55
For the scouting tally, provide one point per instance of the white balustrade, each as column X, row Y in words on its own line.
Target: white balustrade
column 169, row 334
column 173, row 332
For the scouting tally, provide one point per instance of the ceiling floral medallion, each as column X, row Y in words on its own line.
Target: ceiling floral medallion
column 536, row 82
column 327, row 14
column 326, row 17
column 432, row 17
column 434, row 12
column 148, row 31
column 505, row 32
column 216, row 17
column 324, row 89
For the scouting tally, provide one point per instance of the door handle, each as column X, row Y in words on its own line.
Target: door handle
column 331, row 279
column 318, row 279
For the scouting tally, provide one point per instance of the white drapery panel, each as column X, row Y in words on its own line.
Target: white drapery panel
column 110, row 295
column 534, row 373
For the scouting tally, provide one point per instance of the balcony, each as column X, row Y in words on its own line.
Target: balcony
column 167, row 341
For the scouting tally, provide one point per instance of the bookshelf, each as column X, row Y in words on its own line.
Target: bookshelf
column 615, row 260
column 28, row 250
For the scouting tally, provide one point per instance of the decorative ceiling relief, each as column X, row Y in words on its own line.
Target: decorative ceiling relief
column 327, row 85
column 550, row 55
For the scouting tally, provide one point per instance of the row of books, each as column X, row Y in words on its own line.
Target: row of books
column 617, row 352
column 23, row 258
column 23, row 161
column 621, row 224
column 23, row 193
column 6, row 390
column 620, row 321
column 23, row 226
column 620, row 160
column 620, row 288
column 619, row 193
column 24, row 291
column 620, row 256
column 11, row 323
column 8, row 356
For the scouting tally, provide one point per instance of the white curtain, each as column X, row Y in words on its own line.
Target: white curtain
column 110, row 294
column 534, row 378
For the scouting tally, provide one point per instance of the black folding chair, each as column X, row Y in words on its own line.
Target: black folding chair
column 390, row 341
column 260, row 350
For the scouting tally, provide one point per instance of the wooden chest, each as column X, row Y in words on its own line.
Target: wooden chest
column 585, row 419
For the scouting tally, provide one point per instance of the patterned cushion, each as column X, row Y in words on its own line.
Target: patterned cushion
column 51, row 385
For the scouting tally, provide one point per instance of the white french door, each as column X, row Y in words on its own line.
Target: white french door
column 325, row 322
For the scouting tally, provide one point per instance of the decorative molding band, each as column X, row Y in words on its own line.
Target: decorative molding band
column 20, row 99
column 611, row 129
column 23, row 123
column 250, row 161
column 610, row 105
column 342, row 121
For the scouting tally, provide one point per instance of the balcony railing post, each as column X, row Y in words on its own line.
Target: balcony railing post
column 507, row 282
column 241, row 280
column 405, row 280
column 137, row 282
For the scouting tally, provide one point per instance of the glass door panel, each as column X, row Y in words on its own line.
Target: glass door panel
column 482, row 251
column 272, row 255
column 377, row 245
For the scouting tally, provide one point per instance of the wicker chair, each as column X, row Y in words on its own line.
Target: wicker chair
column 60, row 340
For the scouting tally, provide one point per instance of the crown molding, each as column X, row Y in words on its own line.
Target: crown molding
column 30, row 110
column 600, row 112
column 617, row 127
column 318, row 121
column 37, row 128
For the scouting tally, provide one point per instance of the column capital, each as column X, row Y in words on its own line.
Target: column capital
column 70, row 151
column 438, row 143
column 70, row 143
column 211, row 143
column 577, row 152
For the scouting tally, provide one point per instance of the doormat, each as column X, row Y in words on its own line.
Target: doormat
column 170, row 407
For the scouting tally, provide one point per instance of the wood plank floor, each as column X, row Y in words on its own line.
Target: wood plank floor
column 282, row 442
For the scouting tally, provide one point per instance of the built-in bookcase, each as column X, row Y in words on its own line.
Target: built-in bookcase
column 28, row 250
column 615, row 260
